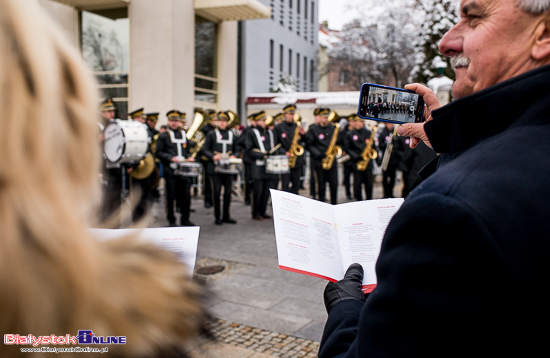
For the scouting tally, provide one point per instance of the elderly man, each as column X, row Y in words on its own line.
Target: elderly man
column 463, row 268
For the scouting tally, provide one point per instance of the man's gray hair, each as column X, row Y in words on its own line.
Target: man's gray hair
column 536, row 7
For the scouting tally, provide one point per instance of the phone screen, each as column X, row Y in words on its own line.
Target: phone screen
column 390, row 104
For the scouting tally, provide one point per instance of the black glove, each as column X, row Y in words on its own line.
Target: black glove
column 348, row 288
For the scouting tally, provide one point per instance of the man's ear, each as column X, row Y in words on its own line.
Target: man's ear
column 541, row 45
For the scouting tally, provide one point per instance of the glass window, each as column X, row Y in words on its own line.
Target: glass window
column 281, row 59
column 206, row 77
column 312, row 12
column 297, row 66
column 105, row 42
column 289, row 61
column 271, row 54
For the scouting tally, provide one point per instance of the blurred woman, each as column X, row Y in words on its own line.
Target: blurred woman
column 54, row 277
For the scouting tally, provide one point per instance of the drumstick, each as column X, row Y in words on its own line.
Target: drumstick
column 275, row 148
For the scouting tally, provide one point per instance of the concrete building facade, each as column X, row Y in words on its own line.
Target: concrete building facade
column 282, row 46
column 170, row 54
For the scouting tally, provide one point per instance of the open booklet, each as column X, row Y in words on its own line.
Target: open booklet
column 322, row 240
column 183, row 241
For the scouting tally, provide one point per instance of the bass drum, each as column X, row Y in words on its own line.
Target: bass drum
column 125, row 142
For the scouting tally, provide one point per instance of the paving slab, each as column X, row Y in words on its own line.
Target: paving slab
column 255, row 317
column 312, row 308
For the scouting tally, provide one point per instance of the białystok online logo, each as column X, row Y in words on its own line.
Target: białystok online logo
column 83, row 337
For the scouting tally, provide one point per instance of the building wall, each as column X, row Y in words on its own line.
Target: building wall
column 65, row 16
column 287, row 28
column 162, row 56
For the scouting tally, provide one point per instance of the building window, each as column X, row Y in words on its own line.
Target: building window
column 312, row 12
column 271, row 53
column 311, row 72
column 281, row 58
column 105, row 42
column 282, row 13
column 305, row 9
column 298, row 6
column 297, row 66
column 289, row 61
column 290, row 4
column 206, row 81
column 272, row 9
column 305, row 68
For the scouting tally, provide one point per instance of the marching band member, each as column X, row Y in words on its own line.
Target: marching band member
column 112, row 173
column 247, row 160
column 387, row 135
column 289, row 135
column 142, row 203
column 355, row 142
column 319, row 138
column 207, row 188
column 220, row 143
column 260, row 143
column 171, row 149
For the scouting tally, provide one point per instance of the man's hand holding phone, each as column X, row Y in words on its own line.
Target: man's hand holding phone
column 416, row 130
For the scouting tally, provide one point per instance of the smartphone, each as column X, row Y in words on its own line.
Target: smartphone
column 390, row 104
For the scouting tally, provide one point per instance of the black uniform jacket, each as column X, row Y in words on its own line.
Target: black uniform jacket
column 285, row 134
column 258, row 158
column 166, row 149
column 213, row 146
column 355, row 142
column 241, row 142
column 318, row 139
column 463, row 269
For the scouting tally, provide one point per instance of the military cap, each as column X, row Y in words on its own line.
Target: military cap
column 222, row 116
column 289, row 108
column 278, row 117
column 173, row 113
column 154, row 116
column 183, row 115
column 137, row 113
column 354, row 118
column 321, row 112
column 258, row 116
column 107, row 105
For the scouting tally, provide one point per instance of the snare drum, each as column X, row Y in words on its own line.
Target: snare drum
column 187, row 169
column 125, row 142
column 229, row 166
column 277, row 164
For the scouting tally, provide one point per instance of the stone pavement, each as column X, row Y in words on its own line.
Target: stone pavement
column 263, row 311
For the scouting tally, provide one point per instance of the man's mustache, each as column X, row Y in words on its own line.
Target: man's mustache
column 460, row 60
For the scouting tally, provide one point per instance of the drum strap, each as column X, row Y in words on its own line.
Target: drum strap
column 179, row 142
column 224, row 142
column 259, row 138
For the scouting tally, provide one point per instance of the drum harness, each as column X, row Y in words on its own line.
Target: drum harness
column 260, row 162
column 178, row 142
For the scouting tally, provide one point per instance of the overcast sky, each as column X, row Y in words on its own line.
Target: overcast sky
column 335, row 12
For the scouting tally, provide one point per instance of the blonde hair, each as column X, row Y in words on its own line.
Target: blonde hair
column 54, row 277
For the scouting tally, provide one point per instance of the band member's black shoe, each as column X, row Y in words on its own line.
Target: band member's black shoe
column 187, row 223
column 218, row 222
column 191, row 210
column 257, row 217
column 207, row 205
column 229, row 221
column 266, row 216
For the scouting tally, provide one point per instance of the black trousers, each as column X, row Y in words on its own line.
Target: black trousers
column 388, row 180
column 261, row 195
column 178, row 188
column 292, row 177
column 112, row 195
column 348, row 170
column 207, row 188
column 141, row 196
column 248, row 182
column 218, row 180
column 361, row 179
column 312, row 179
column 327, row 176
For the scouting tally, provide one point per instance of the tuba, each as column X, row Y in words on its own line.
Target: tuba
column 194, row 133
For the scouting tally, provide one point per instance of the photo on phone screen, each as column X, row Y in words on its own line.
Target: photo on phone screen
column 390, row 104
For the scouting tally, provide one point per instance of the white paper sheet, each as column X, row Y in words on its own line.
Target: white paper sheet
column 322, row 240
column 183, row 241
